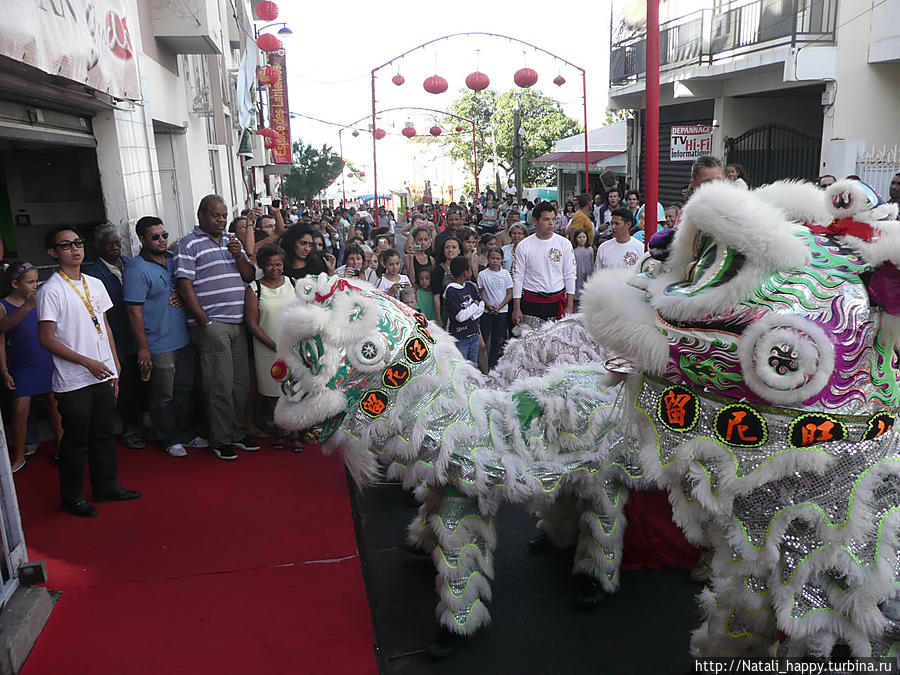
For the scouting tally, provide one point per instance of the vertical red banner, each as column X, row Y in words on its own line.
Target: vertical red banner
column 279, row 110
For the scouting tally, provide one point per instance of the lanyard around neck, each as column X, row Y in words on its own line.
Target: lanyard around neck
column 85, row 298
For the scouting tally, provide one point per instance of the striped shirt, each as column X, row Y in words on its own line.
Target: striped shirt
column 217, row 280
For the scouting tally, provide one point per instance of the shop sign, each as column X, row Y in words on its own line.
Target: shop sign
column 87, row 41
column 687, row 143
column 279, row 111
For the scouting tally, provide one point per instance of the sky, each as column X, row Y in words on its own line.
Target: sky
column 335, row 45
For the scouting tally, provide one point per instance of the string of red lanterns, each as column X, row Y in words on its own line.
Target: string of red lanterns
column 478, row 81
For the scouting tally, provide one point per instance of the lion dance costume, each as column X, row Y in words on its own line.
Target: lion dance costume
column 760, row 389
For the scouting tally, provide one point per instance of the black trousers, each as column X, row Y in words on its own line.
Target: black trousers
column 88, row 415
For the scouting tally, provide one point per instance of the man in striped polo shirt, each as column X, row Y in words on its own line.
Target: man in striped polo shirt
column 211, row 270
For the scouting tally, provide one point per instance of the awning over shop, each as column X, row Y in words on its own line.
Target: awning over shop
column 574, row 161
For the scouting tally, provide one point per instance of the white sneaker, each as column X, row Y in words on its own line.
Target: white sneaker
column 177, row 450
column 197, row 442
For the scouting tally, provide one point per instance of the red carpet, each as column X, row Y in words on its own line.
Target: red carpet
column 221, row 567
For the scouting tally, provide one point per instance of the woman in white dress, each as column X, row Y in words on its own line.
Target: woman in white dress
column 264, row 303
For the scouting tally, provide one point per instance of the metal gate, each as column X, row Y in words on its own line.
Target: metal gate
column 773, row 152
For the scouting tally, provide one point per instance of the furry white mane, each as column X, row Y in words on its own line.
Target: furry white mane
column 742, row 221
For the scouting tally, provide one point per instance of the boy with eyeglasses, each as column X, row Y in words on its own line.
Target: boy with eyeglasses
column 73, row 327
column 159, row 327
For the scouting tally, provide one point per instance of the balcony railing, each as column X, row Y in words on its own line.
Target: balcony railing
column 706, row 36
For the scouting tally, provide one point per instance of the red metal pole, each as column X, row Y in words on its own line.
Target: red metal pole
column 475, row 159
column 587, row 175
column 651, row 122
column 374, row 155
column 343, row 184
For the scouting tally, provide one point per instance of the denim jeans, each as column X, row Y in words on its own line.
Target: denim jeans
column 468, row 347
column 171, row 384
column 493, row 328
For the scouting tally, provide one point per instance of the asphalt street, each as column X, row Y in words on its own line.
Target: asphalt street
column 537, row 628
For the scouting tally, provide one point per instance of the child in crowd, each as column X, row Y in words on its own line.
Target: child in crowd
column 392, row 282
column 495, row 285
column 485, row 244
column 464, row 307
column 420, row 256
column 409, row 296
column 424, row 296
column 469, row 240
column 584, row 260
column 27, row 368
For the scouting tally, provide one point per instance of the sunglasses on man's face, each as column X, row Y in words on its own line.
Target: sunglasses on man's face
column 67, row 245
column 155, row 237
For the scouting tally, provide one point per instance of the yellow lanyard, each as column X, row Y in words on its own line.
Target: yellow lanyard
column 85, row 298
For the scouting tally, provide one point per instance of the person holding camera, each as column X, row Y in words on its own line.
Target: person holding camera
column 392, row 282
column 356, row 267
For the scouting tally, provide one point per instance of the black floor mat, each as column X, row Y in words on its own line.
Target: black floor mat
column 644, row 628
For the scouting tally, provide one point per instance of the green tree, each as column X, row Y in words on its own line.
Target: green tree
column 542, row 122
column 617, row 115
column 312, row 170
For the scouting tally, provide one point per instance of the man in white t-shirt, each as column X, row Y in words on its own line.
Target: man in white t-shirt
column 71, row 309
column 544, row 282
column 622, row 251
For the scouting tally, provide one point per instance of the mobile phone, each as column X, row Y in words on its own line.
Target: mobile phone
column 265, row 201
column 276, row 203
column 258, row 203
column 354, row 273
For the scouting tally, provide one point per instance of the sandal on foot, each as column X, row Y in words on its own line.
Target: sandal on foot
column 133, row 440
column 278, row 443
column 297, row 445
column 20, row 467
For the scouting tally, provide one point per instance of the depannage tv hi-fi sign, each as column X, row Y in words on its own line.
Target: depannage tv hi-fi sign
column 690, row 142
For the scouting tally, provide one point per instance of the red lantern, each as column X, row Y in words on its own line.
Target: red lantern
column 525, row 77
column 459, row 127
column 268, row 43
column 270, row 138
column 349, row 175
column 435, row 84
column 362, row 174
column 331, row 181
column 355, row 133
column 267, row 11
column 398, row 79
column 477, row 81
column 409, row 132
column 267, row 74
column 379, row 134
column 435, row 130
column 559, row 80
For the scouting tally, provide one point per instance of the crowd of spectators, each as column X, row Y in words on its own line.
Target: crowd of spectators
column 185, row 331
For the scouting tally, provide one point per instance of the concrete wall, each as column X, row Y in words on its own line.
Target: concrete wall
column 866, row 95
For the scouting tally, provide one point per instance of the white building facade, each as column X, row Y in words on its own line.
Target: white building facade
column 791, row 88
column 111, row 110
